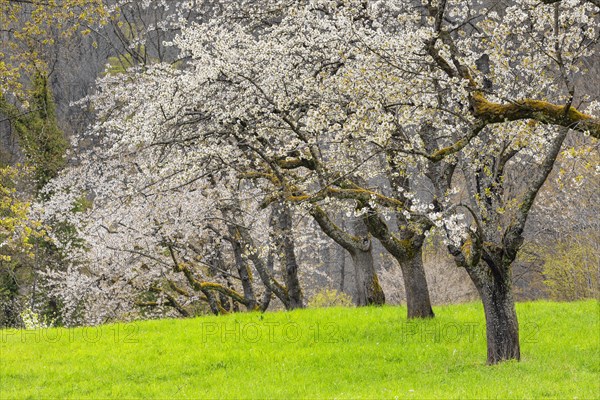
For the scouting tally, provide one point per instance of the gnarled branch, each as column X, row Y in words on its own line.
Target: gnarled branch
column 542, row 111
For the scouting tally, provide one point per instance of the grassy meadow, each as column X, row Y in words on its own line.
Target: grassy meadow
column 312, row 353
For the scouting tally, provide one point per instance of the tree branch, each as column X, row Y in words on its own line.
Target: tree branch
column 542, row 111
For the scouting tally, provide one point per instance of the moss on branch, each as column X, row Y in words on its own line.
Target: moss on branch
column 224, row 290
column 542, row 111
column 341, row 237
column 297, row 162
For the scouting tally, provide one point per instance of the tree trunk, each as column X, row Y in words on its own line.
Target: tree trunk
column 216, row 260
column 368, row 290
column 408, row 253
column 268, row 294
column 502, row 327
column 289, row 260
column 342, row 258
column 244, row 274
column 212, row 302
column 293, row 284
column 418, row 303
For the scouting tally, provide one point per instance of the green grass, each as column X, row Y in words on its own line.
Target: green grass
column 315, row 353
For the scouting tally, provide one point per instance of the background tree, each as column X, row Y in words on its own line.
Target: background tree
column 39, row 136
column 18, row 233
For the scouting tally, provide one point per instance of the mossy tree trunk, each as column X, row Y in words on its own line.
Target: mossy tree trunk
column 368, row 289
column 489, row 251
column 406, row 243
column 502, row 326
column 285, row 240
column 418, row 302
column 407, row 251
column 240, row 234
column 243, row 270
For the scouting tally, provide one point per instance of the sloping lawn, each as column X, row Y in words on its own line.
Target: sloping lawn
column 314, row 353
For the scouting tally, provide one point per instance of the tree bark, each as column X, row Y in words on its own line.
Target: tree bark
column 342, row 258
column 368, row 289
column 418, row 303
column 502, row 327
column 494, row 254
column 268, row 294
column 408, row 253
column 243, row 272
column 289, row 261
column 243, row 243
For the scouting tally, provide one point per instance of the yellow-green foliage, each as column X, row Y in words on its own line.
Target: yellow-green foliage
column 118, row 64
column 571, row 271
column 40, row 138
column 32, row 27
column 330, row 298
column 137, row 55
column 16, row 229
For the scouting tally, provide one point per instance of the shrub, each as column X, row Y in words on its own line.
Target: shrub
column 571, row 270
column 32, row 320
column 330, row 298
